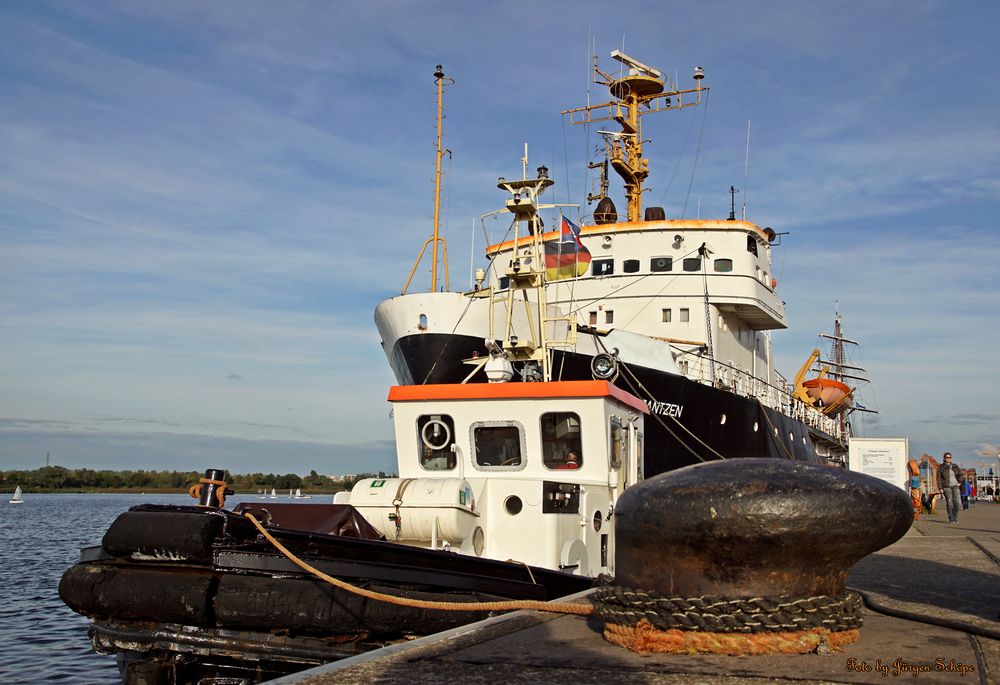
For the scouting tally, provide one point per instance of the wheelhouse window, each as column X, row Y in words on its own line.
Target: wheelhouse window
column 562, row 447
column 436, row 437
column 592, row 318
column 685, row 315
column 723, row 265
column 498, row 445
column 504, row 282
column 752, row 245
column 692, row 264
column 609, row 316
column 666, row 316
column 659, row 264
column 602, row 267
column 630, row 266
column 619, row 442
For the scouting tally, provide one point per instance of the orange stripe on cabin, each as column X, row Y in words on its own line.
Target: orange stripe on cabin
column 528, row 391
column 623, row 226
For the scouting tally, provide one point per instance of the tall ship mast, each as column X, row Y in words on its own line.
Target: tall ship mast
column 440, row 81
column 639, row 91
column 676, row 311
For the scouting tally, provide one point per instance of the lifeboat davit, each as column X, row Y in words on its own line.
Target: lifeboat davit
column 834, row 396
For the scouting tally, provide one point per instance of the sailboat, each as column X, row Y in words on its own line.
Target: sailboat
column 299, row 495
column 274, row 494
column 18, row 498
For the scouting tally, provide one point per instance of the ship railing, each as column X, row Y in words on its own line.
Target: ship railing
column 779, row 398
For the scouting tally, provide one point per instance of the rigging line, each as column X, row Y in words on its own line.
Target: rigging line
column 447, row 342
column 629, row 285
column 447, row 192
column 679, row 158
column 656, row 416
column 502, row 241
column 600, row 344
column 697, row 154
column 686, row 430
column 566, row 160
column 773, row 433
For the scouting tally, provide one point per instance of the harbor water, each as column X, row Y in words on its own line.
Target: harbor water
column 44, row 641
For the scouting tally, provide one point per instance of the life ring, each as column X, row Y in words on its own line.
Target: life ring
column 427, row 440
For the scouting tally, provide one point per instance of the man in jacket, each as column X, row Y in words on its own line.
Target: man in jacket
column 949, row 480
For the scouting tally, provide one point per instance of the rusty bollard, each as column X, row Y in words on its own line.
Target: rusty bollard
column 745, row 556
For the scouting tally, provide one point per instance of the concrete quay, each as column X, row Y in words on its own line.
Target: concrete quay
column 931, row 616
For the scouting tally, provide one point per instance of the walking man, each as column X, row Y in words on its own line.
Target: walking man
column 949, row 480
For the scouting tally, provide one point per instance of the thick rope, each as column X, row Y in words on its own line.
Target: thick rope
column 644, row 638
column 220, row 494
column 579, row 609
column 711, row 624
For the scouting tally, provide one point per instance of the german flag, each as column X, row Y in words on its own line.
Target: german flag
column 566, row 257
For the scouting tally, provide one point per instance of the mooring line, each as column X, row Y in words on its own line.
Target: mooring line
column 557, row 608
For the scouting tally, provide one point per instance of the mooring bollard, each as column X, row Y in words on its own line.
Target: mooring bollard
column 212, row 490
column 745, row 556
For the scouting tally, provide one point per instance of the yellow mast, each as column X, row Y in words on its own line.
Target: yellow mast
column 639, row 91
column 440, row 79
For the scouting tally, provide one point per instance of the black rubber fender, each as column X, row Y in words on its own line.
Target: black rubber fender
column 171, row 536
column 145, row 594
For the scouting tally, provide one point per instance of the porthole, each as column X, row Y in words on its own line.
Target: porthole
column 722, row 420
column 478, row 541
column 422, row 322
column 513, row 505
column 598, row 521
column 791, row 438
column 755, row 426
column 803, row 439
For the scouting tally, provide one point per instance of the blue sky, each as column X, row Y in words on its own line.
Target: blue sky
column 202, row 203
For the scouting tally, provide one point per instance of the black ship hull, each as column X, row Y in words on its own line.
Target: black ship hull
column 690, row 422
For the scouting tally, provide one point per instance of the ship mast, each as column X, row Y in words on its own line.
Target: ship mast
column 638, row 91
column 441, row 80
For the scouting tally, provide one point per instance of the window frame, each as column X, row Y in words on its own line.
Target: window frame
column 606, row 261
column 448, row 455
column 715, row 265
column 631, row 266
column 579, row 441
column 498, row 423
column 691, row 260
column 670, row 265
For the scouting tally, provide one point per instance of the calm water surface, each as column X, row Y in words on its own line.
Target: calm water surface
column 43, row 640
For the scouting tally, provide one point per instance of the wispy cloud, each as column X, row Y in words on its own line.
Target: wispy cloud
column 201, row 203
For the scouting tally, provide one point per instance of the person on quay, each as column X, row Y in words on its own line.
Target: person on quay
column 949, row 480
column 965, row 492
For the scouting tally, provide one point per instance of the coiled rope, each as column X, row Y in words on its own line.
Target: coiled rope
column 557, row 608
column 220, row 493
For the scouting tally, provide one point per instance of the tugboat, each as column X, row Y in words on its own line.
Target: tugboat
column 506, row 491
column 676, row 311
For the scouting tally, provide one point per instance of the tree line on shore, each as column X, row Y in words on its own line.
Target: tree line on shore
column 59, row 478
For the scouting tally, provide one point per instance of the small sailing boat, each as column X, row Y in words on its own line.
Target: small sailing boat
column 18, row 498
column 299, row 495
column 274, row 494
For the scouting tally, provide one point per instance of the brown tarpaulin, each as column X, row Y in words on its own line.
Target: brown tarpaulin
column 330, row 519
